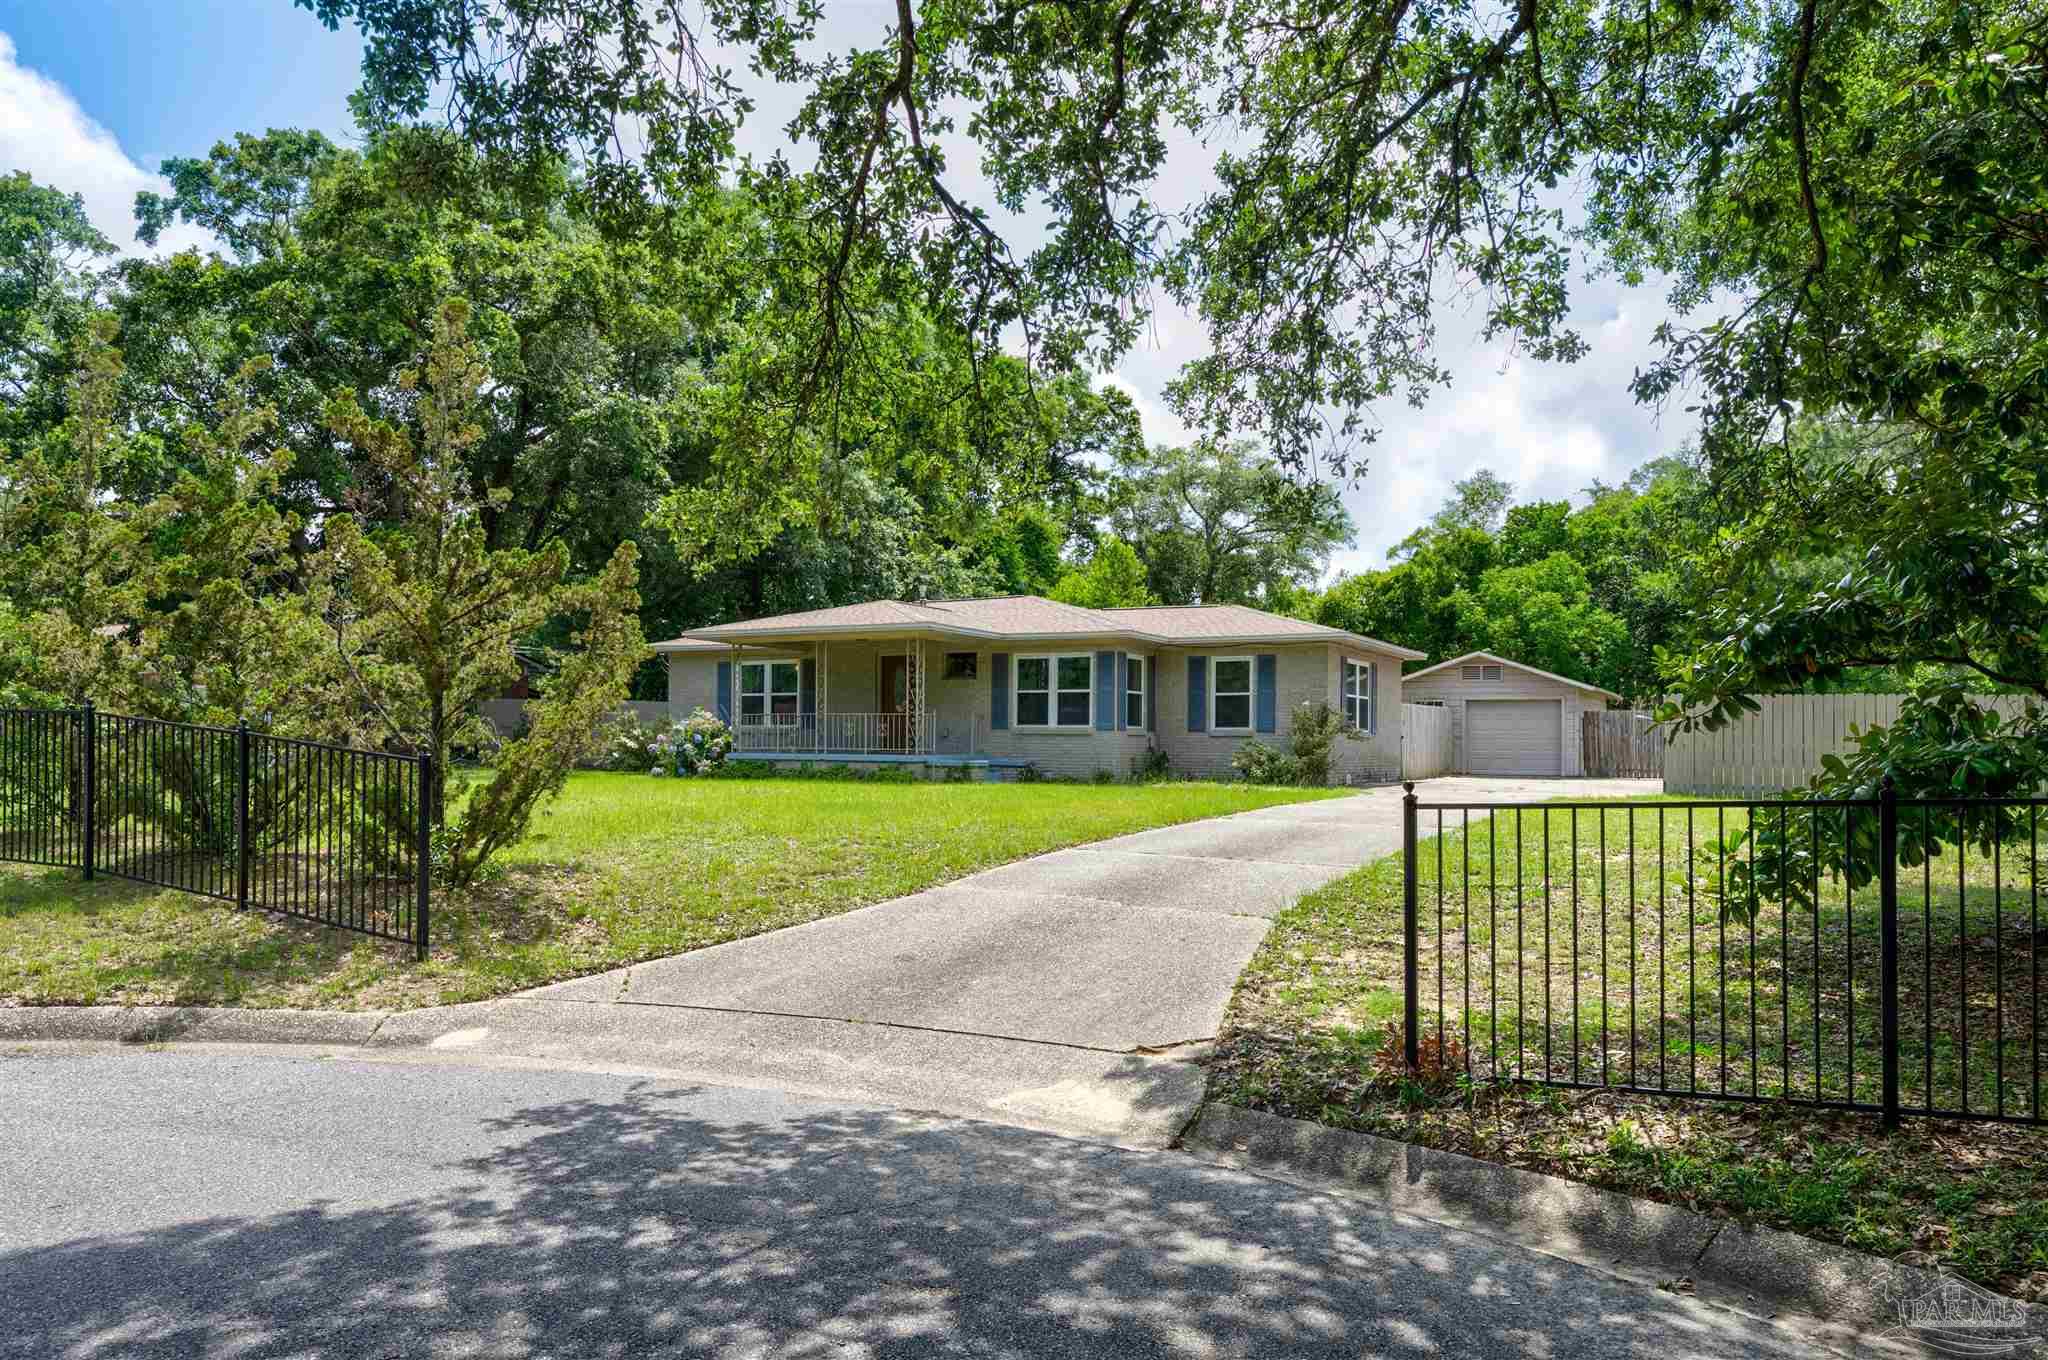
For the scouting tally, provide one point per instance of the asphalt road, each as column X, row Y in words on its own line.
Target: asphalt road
column 195, row 1202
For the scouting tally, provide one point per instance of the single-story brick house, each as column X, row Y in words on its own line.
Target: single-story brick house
column 1508, row 718
column 997, row 684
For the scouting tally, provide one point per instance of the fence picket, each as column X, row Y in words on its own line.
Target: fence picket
column 1953, row 1003
column 188, row 807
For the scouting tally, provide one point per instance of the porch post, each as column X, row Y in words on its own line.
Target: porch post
column 824, row 651
column 923, row 716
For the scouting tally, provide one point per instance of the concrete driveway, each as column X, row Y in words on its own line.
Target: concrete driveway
column 1064, row 992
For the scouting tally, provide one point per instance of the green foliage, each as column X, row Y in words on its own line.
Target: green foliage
column 1590, row 592
column 1112, row 578
column 1258, row 763
column 426, row 615
column 1021, row 548
column 1152, row 765
column 1313, row 735
column 1943, row 745
column 174, row 605
column 1219, row 522
column 1543, row 615
column 1898, row 551
column 1479, row 502
column 47, row 291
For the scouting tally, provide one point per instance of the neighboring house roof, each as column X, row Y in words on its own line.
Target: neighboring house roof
column 1508, row 661
column 1024, row 618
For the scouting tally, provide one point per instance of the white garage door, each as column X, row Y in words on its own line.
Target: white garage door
column 1514, row 736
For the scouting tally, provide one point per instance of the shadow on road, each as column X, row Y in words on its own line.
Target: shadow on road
column 634, row 1226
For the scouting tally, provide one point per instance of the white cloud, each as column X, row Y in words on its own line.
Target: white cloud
column 1155, row 418
column 45, row 132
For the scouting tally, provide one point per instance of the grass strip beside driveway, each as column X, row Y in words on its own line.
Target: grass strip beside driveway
column 622, row 868
column 1306, row 1037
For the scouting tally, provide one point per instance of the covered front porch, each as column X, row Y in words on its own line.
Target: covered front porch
column 879, row 700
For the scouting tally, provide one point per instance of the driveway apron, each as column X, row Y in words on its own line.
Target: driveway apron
column 1069, row 992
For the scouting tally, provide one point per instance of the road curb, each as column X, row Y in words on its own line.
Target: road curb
column 186, row 1024
column 1756, row 1270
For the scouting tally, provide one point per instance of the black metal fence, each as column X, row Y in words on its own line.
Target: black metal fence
column 1875, row 954
column 323, row 833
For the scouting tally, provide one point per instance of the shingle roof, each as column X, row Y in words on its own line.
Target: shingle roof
column 1033, row 616
column 1508, row 661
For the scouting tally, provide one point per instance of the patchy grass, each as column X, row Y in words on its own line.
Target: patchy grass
column 621, row 868
column 1308, row 1034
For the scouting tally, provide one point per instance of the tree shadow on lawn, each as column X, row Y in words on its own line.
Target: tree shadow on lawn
column 118, row 942
column 632, row 1227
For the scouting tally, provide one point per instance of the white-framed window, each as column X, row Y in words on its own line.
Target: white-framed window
column 1056, row 691
column 1135, row 681
column 1230, row 694
column 1361, row 694
column 769, row 691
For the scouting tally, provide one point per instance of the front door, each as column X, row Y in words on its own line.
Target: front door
column 895, row 721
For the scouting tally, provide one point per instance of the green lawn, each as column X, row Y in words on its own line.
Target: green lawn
column 623, row 867
column 1527, row 981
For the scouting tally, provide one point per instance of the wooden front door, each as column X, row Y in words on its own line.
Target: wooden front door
column 895, row 706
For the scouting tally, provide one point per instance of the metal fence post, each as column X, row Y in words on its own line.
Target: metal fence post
column 1888, row 955
column 89, row 858
column 1411, row 998
column 423, row 851
column 242, row 813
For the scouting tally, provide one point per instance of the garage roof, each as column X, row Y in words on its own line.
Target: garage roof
column 1508, row 661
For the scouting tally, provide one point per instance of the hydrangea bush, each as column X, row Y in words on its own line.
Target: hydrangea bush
column 691, row 746
column 697, row 745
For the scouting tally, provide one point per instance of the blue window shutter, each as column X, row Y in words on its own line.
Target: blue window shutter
column 1152, row 693
column 725, row 691
column 1198, row 694
column 807, row 689
column 999, row 692
column 1105, row 691
column 1372, row 711
column 1123, row 689
column 1267, row 692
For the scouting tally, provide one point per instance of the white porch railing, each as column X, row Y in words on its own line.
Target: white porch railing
column 859, row 734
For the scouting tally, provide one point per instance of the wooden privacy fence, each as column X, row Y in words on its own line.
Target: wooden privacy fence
column 1617, row 744
column 1427, row 748
column 1780, row 747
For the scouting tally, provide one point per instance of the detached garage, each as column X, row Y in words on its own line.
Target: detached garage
column 1508, row 718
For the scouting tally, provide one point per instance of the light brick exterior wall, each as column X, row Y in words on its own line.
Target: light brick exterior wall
column 963, row 707
column 1304, row 675
column 692, row 682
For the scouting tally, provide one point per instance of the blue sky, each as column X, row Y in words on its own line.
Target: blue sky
column 94, row 94
column 172, row 77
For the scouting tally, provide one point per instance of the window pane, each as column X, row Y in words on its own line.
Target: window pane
column 784, row 677
column 1136, row 680
column 1350, row 679
column 1032, row 708
column 752, row 677
column 783, row 706
column 1233, row 677
column 750, row 706
column 1073, row 708
column 1134, row 709
column 1074, row 672
column 1032, row 672
column 1233, row 710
